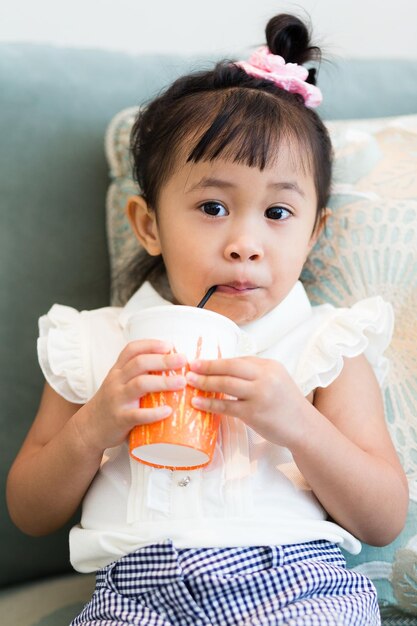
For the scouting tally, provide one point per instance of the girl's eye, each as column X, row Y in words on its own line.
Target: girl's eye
column 214, row 209
column 278, row 213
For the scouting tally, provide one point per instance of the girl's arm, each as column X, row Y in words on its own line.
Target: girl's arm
column 53, row 469
column 340, row 444
column 64, row 448
column 346, row 454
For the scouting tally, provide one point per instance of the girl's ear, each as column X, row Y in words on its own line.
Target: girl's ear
column 143, row 223
column 325, row 214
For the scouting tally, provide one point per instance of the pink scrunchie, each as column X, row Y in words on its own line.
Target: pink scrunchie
column 288, row 76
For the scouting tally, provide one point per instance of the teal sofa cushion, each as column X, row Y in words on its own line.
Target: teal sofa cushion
column 365, row 88
column 49, row 602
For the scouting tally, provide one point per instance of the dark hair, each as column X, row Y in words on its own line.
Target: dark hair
column 227, row 113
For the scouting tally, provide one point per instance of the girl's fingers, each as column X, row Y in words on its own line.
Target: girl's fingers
column 144, row 363
column 233, row 408
column 229, row 385
column 147, row 416
column 244, row 367
column 142, row 346
column 149, row 383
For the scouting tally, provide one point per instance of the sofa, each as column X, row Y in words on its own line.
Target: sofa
column 64, row 175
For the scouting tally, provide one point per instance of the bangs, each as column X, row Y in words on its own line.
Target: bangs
column 249, row 128
column 245, row 125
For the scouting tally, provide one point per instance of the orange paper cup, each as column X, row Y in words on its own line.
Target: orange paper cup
column 186, row 439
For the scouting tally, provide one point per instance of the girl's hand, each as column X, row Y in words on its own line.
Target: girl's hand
column 263, row 394
column 114, row 409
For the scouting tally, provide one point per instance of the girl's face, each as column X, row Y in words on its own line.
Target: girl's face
column 245, row 230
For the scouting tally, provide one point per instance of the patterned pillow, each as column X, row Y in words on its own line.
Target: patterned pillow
column 369, row 248
column 122, row 243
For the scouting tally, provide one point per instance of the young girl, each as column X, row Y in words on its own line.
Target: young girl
column 234, row 168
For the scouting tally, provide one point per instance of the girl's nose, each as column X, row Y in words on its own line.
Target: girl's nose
column 243, row 249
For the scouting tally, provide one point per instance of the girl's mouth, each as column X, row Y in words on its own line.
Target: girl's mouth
column 236, row 288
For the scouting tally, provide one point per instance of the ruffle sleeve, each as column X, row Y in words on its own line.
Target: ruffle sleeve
column 61, row 353
column 365, row 328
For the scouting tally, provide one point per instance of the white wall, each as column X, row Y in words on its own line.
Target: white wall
column 354, row 28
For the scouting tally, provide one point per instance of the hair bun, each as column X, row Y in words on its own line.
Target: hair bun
column 289, row 37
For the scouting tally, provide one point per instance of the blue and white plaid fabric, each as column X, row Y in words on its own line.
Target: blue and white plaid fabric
column 295, row 585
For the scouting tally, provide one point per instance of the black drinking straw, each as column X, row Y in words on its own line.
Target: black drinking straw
column 207, row 296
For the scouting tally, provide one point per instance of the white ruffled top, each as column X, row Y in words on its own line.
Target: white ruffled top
column 252, row 493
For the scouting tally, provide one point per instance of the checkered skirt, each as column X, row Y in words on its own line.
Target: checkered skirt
column 303, row 584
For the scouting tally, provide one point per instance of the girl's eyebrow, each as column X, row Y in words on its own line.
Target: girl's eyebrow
column 291, row 186
column 220, row 183
column 212, row 182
